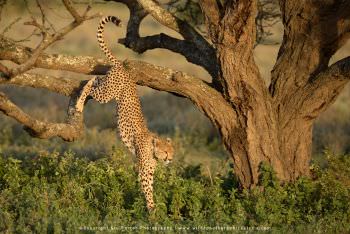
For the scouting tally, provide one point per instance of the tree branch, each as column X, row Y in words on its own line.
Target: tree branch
column 183, row 47
column 69, row 6
column 167, row 19
column 61, row 85
column 321, row 92
column 202, row 94
column 92, row 66
column 314, row 31
column 9, row 50
column 211, row 11
column 208, row 100
column 67, row 131
column 202, row 55
column 48, row 39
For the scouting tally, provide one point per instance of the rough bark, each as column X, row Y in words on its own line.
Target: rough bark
column 69, row 131
column 254, row 139
column 313, row 32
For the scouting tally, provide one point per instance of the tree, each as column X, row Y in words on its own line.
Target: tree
column 257, row 123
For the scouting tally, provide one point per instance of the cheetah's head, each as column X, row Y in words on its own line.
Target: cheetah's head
column 163, row 149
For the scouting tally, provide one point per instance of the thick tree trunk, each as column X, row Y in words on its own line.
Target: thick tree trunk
column 276, row 125
column 296, row 144
column 249, row 147
column 254, row 138
column 279, row 136
column 258, row 139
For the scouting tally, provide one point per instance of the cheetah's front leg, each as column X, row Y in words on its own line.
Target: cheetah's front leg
column 84, row 93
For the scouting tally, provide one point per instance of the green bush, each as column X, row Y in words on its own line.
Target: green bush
column 62, row 192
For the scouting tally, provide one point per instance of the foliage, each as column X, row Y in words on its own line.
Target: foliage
column 55, row 192
column 190, row 11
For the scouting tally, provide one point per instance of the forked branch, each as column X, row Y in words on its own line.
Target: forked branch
column 167, row 19
column 202, row 94
column 74, row 126
column 194, row 48
column 48, row 38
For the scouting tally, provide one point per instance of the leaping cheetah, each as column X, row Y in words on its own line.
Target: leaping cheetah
column 133, row 131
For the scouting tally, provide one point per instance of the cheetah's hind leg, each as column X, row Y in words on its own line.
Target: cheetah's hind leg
column 147, row 166
column 84, row 93
column 146, row 174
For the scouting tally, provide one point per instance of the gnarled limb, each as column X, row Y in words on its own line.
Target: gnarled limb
column 67, row 131
column 212, row 14
column 194, row 48
column 9, row 50
column 207, row 99
column 48, row 38
column 211, row 10
column 61, row 85
column 202, row 94
column 74, row 126
column 314, row 31
column 320, row 93
column 186, row 48
column 167, row 19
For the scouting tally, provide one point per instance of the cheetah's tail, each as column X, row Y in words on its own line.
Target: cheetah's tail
column 100, row 36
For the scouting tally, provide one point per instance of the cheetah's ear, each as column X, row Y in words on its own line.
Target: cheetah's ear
column 155, row 141
column 168, row 139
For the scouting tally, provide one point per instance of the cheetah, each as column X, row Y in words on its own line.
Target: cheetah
column 132, row 128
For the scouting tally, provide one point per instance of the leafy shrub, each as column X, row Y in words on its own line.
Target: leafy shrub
column 61, row 192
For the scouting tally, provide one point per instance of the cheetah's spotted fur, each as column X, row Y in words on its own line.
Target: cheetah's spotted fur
column 133, row 131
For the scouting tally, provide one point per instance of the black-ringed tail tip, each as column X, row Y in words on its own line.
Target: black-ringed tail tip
column 100, row 37
column 112, row 19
